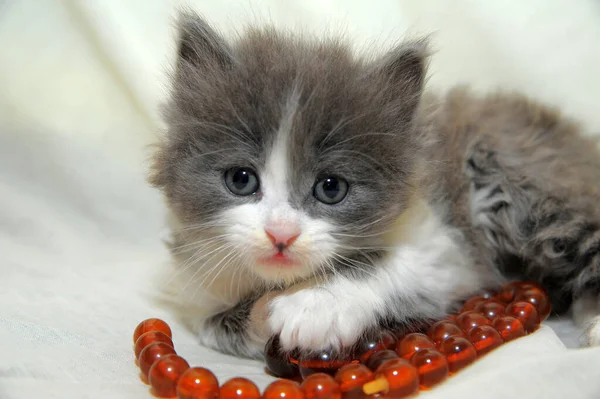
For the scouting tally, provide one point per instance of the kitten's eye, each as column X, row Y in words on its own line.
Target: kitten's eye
column 330, row 190
column 241, row 181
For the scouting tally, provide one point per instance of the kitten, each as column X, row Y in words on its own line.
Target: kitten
column 321, row 196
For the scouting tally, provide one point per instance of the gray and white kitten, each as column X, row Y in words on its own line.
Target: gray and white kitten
column 321, row 196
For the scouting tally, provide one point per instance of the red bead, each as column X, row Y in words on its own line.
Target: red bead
column 432, row 367
column 164, row 375
column 351, row 379
column 276, row 361
column 459, row 353
column 412, row 343
column 152, row 353
column 239, row 388
column 321, row 386
column 283, row 389
column 321, row 363
column 537, row 298
column 491, row 309
column 507, row 293
column 148, row 338
column 401, row 378
column 151, row 325
column 466, row 321
column 508, row 327
column 485, row 338
column 198, row 383
column 472, row 303
column 378, row 358
column 444, row 329
column 366, row 348
column 524, row 312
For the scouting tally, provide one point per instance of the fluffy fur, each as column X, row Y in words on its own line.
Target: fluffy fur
column 447, row 195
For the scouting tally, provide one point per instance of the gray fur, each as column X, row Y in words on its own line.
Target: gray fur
column 515, row 177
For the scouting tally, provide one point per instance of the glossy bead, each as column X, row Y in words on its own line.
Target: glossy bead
column 239, row 388
column 507, row 293
column 508, row 327
column 352, row 376
column 398, row 377
column 365, row 349
column 490, row 309
column 485, row 338
column 472, row 303
column 444, row 329
column 152, row 353
column 148, row 338
column 466, row 321
column 378, row 358
column 320, row 363
column 459, row 353
column 432, row 367
column 151, row 325
column 321, row 386
column 524, row 312
column 164, row 375
column 198, row 383
column 276, row 361
column 537, row 298
column 412, row 343
column 283, row 389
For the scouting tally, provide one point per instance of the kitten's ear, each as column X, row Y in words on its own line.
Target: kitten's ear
column 199, row 44
column 404, row 69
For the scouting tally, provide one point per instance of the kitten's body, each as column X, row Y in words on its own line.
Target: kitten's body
column 443, row 193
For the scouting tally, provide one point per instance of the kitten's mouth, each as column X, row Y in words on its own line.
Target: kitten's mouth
column 279, row 259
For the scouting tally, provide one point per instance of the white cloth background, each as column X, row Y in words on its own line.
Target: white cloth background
column 80, row 230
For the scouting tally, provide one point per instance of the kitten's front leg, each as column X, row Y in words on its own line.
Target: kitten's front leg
column 327, row 316
column 238, row 330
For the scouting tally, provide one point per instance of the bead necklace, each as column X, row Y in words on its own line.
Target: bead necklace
column 391, row 366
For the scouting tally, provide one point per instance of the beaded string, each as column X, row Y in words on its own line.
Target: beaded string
column 390, row 367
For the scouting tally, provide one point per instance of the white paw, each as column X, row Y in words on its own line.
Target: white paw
column 315, row 319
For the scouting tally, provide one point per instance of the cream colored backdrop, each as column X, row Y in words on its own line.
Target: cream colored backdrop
column 80, row 230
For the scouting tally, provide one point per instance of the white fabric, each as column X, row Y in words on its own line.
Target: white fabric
column 80, row 230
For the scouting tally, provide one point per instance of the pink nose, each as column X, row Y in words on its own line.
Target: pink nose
column 282, row 236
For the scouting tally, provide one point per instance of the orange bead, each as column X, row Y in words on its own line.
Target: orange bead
column 321, row 386
column 321, row 363
column 507, row 293
column 508, row 327
column 378, row 358
column 151, row 354
column 366, row 348
column 400, row 377
column 485, row 338
column 352, row 376
column 276, row 361
column 151, row 325
column 239, row 388
column 490, row 309
column 467, row 320
column 198, row 383
column 164, row 375
column 283, row 389
column 524, row 312
column 432, row 367
column 537, row 298
column 412, row 343
column 149, row 338
column 444, row 329
column 472, row 303
column 459, row 353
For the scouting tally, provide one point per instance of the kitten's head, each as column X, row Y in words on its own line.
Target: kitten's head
column 293, row 155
